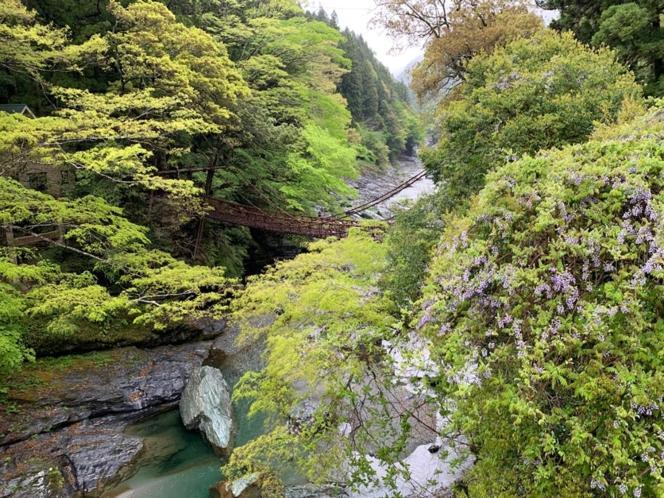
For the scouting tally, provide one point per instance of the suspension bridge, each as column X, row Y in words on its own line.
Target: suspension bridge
column 252, row 217
column 317, row 227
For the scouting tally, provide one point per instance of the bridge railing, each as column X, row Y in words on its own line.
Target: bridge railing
column 253, row 217
column 231, row 212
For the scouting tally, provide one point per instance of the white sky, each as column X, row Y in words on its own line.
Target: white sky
column 357, row 14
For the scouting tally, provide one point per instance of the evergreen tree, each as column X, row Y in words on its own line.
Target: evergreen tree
column 377, row 102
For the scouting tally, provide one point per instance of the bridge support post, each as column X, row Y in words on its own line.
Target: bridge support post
column 201, row 221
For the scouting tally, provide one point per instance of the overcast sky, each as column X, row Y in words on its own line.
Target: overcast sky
column 356, row 15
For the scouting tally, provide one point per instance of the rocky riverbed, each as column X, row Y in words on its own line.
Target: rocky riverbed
column 374, row 182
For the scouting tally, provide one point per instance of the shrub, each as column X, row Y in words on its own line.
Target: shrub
column 533, row 94
column 544, row 308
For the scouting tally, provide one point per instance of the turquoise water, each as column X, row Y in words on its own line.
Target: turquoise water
column 176, row 463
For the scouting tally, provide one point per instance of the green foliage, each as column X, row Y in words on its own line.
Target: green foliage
column 322, row 319
column 12, row 351
column 185, row 62
column 533, row 94
column 374, row 149
column 294, row 147
column 378, row 104
column 321, row 170
column 410, row 241
column 27, row 45
column 147, row 285
column 166, row 84
column 544, row 309
column 82, row 18
column 634, row 29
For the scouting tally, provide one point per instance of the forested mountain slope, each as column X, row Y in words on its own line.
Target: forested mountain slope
column 499, row 338
column 143, row 107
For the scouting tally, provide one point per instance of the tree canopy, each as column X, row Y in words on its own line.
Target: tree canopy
column 635, row 30
column 454, row 32
column 532, row 94
column 144, row 106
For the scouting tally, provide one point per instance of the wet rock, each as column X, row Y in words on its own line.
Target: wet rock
column 88, row 386
column 100, row 452
column 80, row 458
column 244, row 487
column 235, row 358
column 63, row 433
column 38, row 481
column 206, row 406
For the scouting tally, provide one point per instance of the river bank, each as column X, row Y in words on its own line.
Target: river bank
column 105, row 423
column 374, row 182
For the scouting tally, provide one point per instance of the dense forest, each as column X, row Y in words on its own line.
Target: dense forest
column 501, row 337
column 144, row 107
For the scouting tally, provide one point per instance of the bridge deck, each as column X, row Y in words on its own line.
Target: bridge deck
column 249, row 216
column 238, row 214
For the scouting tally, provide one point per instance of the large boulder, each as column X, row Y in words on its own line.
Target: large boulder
column 206, row 406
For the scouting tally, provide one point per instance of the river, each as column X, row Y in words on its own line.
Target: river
column 373, row 183
column 177, row 463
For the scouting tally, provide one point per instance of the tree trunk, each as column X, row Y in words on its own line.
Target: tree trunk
column 201, row 222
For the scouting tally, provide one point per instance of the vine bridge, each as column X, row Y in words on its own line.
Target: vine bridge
column 318, row 227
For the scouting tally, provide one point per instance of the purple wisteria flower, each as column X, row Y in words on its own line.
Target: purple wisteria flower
column 555, row 325
column 426, row 318
column 504, row 321
column 543, row 289
column 596, row 484
column 444, row 329
column 575, row 178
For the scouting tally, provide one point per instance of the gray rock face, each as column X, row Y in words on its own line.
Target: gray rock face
column 235, row 358
column 78, row 458
column 66, row 437
column 206, row 406
column 125, row 380
column 37, row 482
